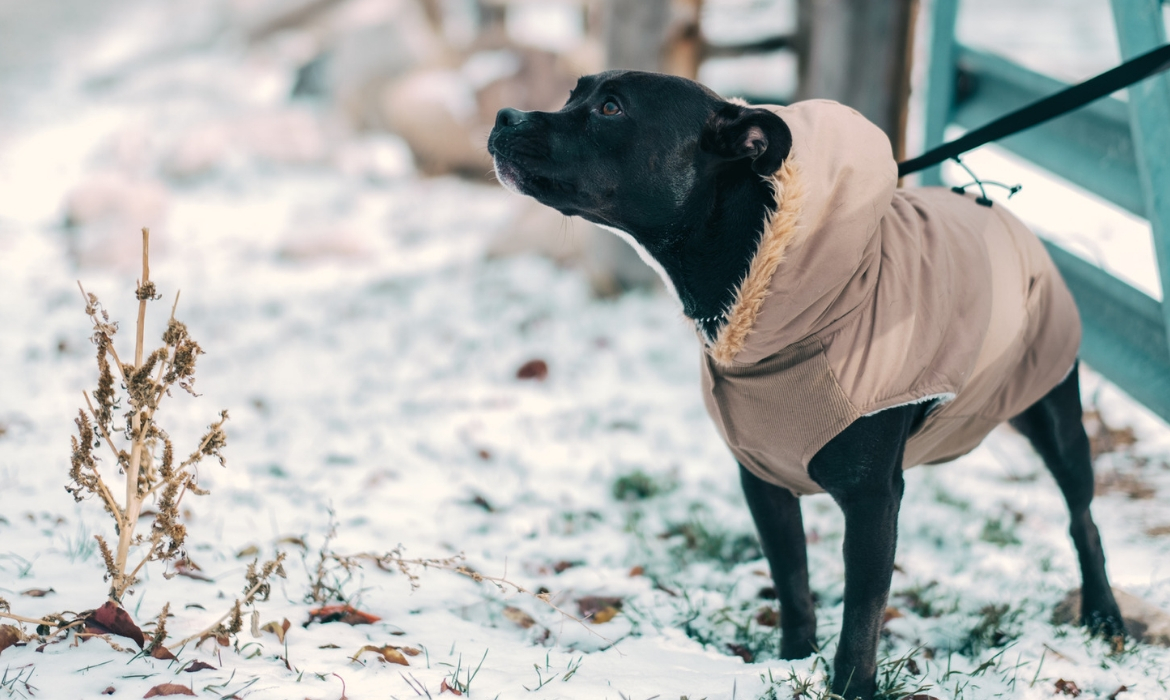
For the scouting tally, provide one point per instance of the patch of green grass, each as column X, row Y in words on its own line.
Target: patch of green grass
column 995, row 532
column 699, row 541
column 636, row 486
column 997, row 626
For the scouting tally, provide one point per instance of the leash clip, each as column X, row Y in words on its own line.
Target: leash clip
column 982, row 199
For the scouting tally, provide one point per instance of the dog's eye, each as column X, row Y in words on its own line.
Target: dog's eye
column 610, row 109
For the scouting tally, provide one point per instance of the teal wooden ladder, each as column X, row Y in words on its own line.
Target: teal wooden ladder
column 1118, row 150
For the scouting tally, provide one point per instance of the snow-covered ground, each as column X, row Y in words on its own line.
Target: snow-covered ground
column 368, row 353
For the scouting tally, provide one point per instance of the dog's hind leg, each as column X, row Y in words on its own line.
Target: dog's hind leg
column 861, row 468
column 780, row 526
column 1053, row 426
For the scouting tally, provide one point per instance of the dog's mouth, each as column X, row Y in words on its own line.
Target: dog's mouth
column 509, row 174
column 554, row 192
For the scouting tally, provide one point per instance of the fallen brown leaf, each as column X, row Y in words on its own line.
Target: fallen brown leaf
column 443, row 688
column 189, row 569
column 199, row 666
column 768, row 617
column 37, row 592
column 277, row 628
column 741, row 651
column 342, row 613
column 518, row 616
column 1119, row 691
column 111, row 619
column 158, row 651
column 109, row 690
column 891, row 614
column 248, row 552
column 9, row 635
column 533, row 369
column 1067, row 688
column 599, row 609
column 637, row 571
column 389, row 654
column 168, row 689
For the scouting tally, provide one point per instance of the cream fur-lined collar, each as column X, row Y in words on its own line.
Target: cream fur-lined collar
column 779, row 234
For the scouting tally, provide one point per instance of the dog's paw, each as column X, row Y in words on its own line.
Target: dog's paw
column 1105, row 621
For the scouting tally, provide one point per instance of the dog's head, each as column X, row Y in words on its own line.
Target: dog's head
column 640, row 152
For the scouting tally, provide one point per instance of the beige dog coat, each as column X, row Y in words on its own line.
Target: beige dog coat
column 862, row 296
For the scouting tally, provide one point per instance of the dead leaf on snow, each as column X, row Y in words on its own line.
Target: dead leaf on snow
column 741, row 651
column 109, row 690
column 111, row 619
column 1119, row 691
column 599, row 609
column 533, row 369
column 389, row 654
column 248, row 552
column 37, row 592
column 199, row 666
column 298, row 541
column 9, row 635
column 1067, row 688
column 342, row 613
column 1158, row 530
column 160, row 652
column 518, row 616
column 768, row 617
column 277, row 628
column 168, row 689
column 189, row 569
column 443, row 688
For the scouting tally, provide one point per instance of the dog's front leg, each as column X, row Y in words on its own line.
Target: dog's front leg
column 861, row 469
column 776, row 513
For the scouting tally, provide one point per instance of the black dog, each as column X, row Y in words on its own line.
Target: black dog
column 681, row 174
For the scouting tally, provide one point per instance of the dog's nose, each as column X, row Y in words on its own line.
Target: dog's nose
column 510, row 117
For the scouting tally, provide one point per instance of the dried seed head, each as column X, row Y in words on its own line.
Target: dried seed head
column 160, row 629
column 107, row 557
column 146, row 292
column 236, row 622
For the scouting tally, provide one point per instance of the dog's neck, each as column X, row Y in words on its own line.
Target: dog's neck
column 704, row 253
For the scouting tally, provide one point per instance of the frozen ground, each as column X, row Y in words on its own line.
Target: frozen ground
column 368, row 354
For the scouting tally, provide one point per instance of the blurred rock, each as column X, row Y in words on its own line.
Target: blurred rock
column 1143, row 621
column 445, row 115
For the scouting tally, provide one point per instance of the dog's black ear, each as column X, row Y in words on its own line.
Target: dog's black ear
column 735, row 132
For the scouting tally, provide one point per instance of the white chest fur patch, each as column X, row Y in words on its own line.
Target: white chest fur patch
column 646, row 258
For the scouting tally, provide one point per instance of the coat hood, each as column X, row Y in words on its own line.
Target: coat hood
column 819, row 254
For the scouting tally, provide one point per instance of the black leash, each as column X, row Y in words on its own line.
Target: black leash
column 1050, row 107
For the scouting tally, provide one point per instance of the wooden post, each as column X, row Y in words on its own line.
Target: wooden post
column 858, row 52
column 648, row 35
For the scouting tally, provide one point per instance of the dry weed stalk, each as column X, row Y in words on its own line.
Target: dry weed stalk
column 258, row 586
column 146, row 458
column 395, row 561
